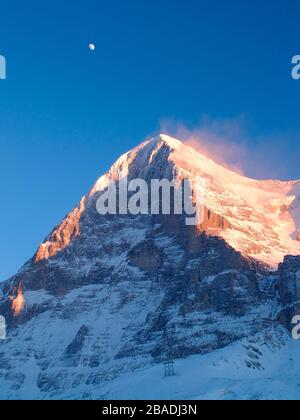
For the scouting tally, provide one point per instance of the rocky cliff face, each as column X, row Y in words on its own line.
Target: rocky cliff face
column 289, row 290
column 108, row 294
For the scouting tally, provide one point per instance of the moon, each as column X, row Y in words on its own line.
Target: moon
column 92, row 47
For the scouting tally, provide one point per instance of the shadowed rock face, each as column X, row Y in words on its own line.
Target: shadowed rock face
column 196, row 281
column 289, row 280
column 289, row 289
column 76, row 345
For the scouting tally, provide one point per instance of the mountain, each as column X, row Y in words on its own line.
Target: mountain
column 260, row 219
column 107, row 295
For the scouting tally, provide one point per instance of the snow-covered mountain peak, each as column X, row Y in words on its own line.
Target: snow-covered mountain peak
column 169, row 141
column 260, row 219
column 112, row 294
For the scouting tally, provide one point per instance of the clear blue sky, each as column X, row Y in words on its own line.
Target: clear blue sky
column 66, row 113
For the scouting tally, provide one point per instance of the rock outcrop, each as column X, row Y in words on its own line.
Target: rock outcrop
column 289, row 289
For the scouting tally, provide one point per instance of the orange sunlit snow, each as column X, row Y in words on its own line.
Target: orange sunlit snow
column 18, row 303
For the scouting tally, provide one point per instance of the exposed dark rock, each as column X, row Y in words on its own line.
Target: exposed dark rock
column 289, row 290
column 78, row 341
column 146, row 256
column 289, row 280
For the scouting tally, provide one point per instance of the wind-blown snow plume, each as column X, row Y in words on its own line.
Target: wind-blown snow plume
column 235, row 144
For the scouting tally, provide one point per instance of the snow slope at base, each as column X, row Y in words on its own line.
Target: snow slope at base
column 221, row 375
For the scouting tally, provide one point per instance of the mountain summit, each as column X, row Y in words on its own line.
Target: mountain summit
column 257, row 218
column 108, row 295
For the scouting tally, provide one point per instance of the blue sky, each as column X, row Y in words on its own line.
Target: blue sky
column 67, row 113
